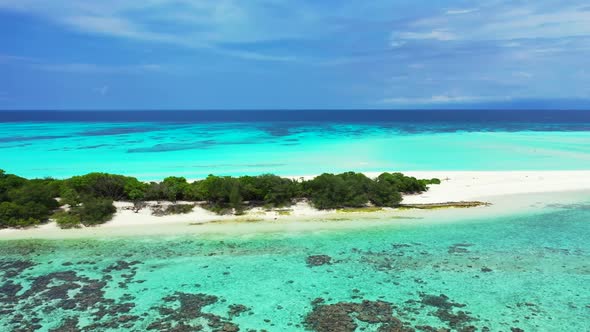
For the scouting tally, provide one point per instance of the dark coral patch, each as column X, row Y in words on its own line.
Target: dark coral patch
column 184, row 312
column 343, row 317
column 12, row 268
column 318, row 260
column 440, row 301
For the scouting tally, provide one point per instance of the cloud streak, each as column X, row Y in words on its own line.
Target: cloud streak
column 87, row 68
column 103, row 90
column 461, row 11
column 440, row 53
column 506, row 20
column 81, row 68
column 207, row 25
column 443, row 99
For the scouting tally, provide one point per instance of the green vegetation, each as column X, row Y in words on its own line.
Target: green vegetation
column 94, row 211
column 26, row 202
column 114, row 187
column 406, row 184
column 88, row 199
column 66, row 220
column 91, row 211
column 329, row 191
column 173, row 209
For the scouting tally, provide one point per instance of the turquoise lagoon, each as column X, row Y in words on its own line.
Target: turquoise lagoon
column 153, row 151
column 522, row 271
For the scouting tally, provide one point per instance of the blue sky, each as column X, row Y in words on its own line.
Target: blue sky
column 238, row 54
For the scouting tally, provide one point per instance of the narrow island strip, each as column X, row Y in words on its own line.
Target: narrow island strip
column 95, row 198
column 29, row 207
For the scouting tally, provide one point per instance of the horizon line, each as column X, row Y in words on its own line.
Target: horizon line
column 290, row 109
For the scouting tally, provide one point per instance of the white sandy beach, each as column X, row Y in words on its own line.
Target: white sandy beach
column 485, row 186
column 506, row 190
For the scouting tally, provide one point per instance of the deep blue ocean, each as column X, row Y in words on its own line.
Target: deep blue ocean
column 570, row 119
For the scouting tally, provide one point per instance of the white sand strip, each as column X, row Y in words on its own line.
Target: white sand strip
column 477, row 185
column 496, row 187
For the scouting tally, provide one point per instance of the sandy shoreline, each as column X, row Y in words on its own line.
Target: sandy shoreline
column 483, row 185
column 506, row 190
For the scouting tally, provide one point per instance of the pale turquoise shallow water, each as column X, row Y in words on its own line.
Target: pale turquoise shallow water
column 529, row 271
column 155, row 150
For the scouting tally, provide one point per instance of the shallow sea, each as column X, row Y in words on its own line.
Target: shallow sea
column 528, row 271
column 290, row 145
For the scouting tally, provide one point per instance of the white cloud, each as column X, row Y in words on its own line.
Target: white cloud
column 528, row 22
column 511, row 44
column 114, row 26
column 209, row 25
column 83, row 68
column 398, row 77
column 505, row 20
column 507, row 43
column 437, row 34
column 461, row 11
column 223, row 26
column 103, row 90
column 522, row 74
column 89, row 68
column 441, row 99
column 397, row 43
column 5, row 58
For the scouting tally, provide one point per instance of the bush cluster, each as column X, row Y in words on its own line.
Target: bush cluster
column 172, row 209
column 26, row 202
column 90, row 197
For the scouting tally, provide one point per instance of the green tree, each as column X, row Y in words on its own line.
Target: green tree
column 135, row 190
column 154, row 192
column 195, row 191
column 402, row 183
column 384, row 194
column 99, row 185
column 94, row 211
column 174, row 188
column 67, row 220
column 329, row 191
column 8, row 182
column 235, row 199
column 70, row 196
column 217, row 189
column 15, row 215
column 270, row 189
column 34, row 191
